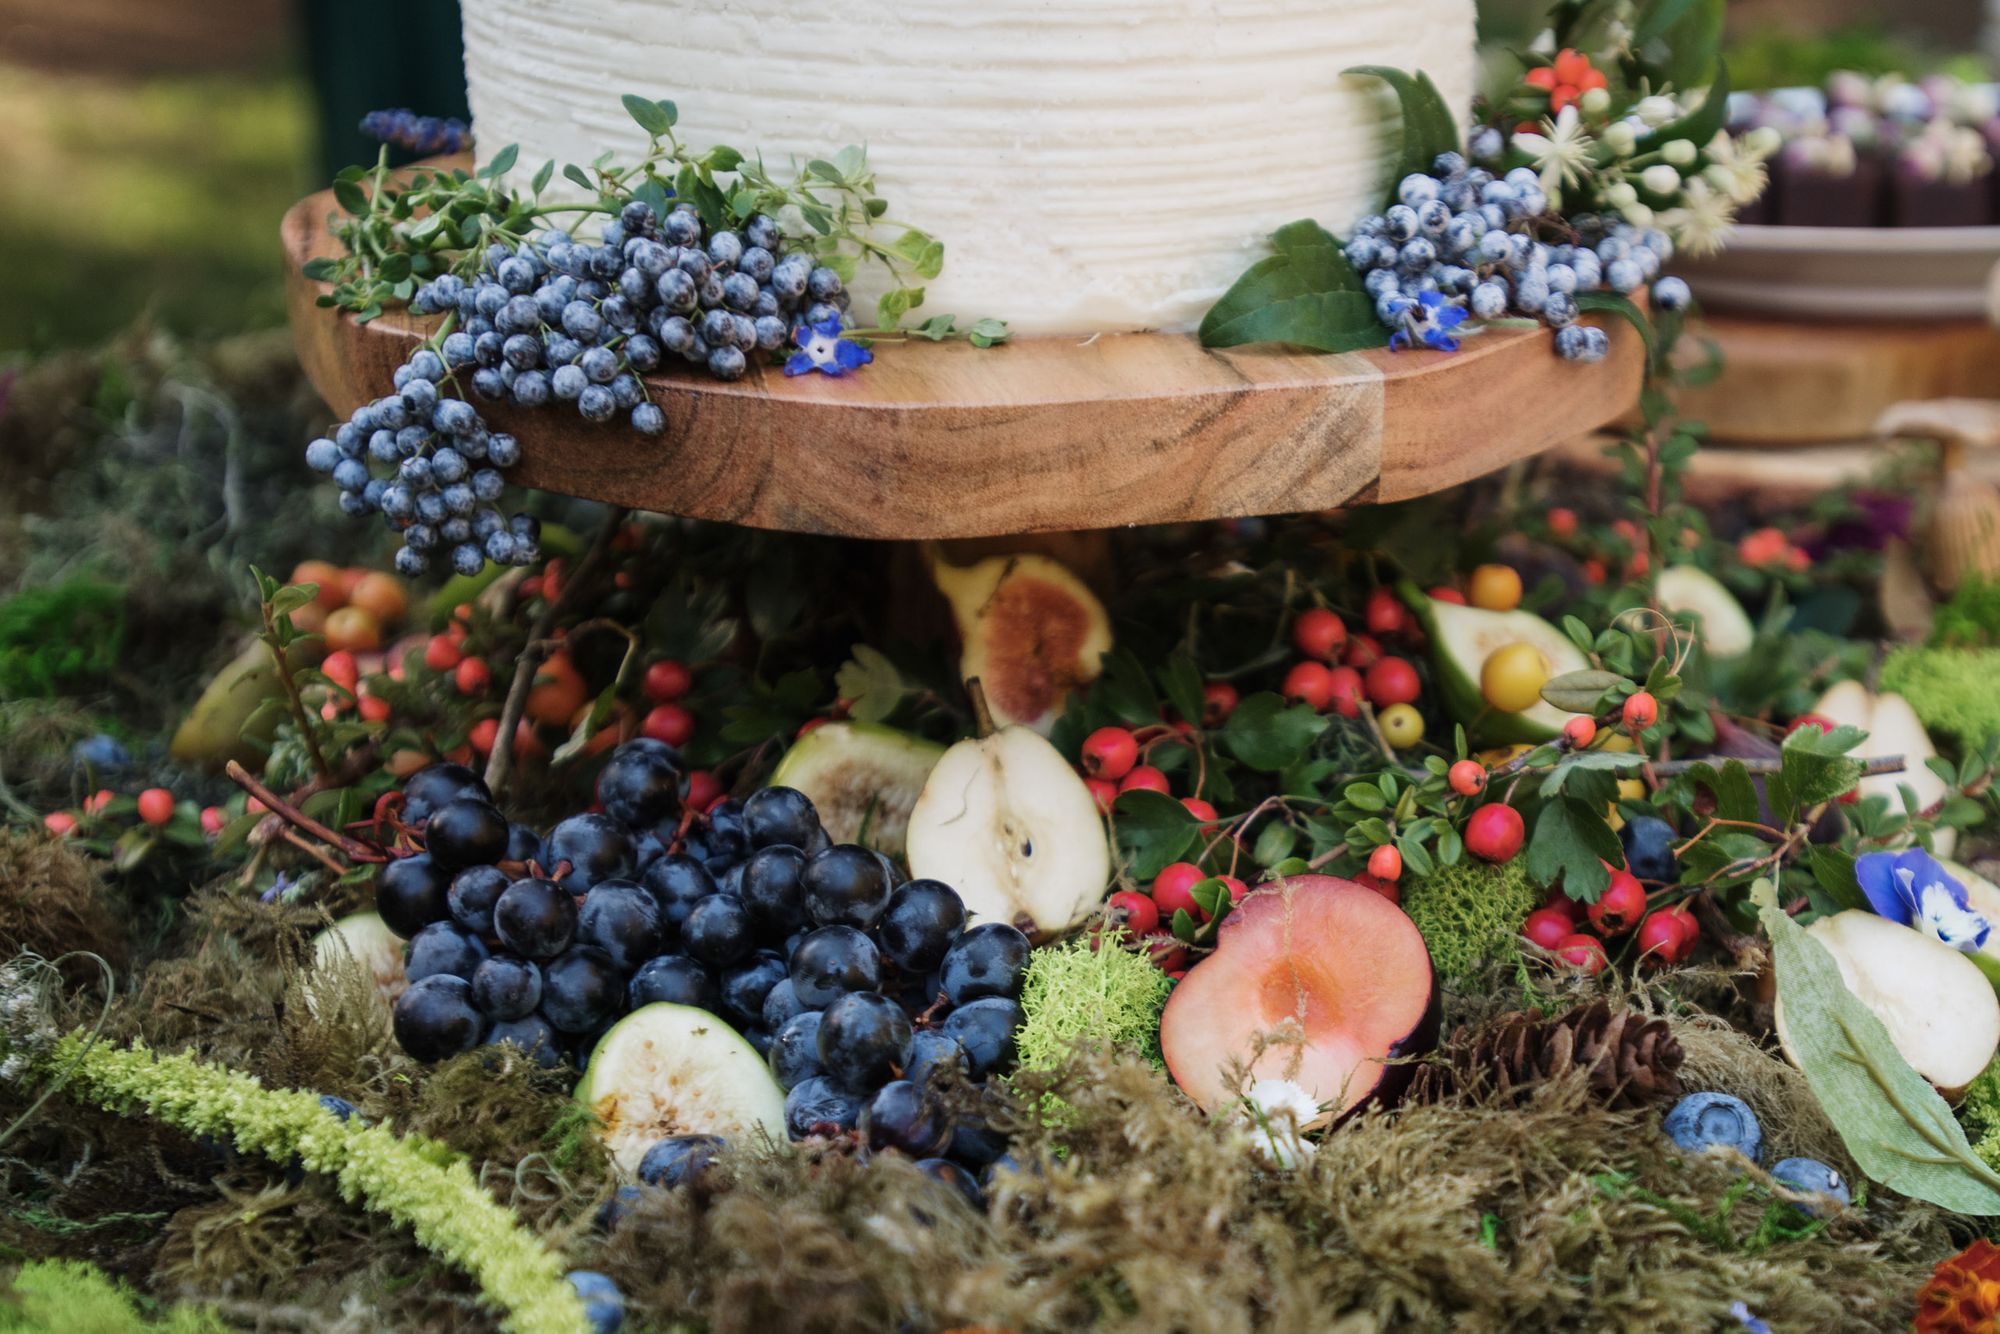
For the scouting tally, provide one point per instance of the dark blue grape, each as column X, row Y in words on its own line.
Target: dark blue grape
column 443, row 948
column 596, row 848
column 676, row 980
column 718, row 930
column 832, row 962
column 624, row 921
column 533, row 1034
column 988, row 960
column 535, row 918
column 434, row 1018
column 582, row 990
column 794, row 1055
column 747, row 985
column 507, row 987
column 985, row 1028
column 818, row 1106
column 771, row 888
column 901, row 1116
column 680, row 1161
column 864, row 1040
column 410, row 894
column 847, row 885
column 919, row 923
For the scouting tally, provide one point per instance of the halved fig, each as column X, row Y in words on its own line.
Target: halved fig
column 1328, row 960
column 1031, row 630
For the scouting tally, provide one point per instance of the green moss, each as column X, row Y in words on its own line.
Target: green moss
column 1470, row 914
column 1104, row 999
column 1970, row 617
column 1950, row 688
column 68, row 1294
column 60, row 639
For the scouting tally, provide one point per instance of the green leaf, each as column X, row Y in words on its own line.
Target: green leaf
column 1268, row 735
column 723, row 158
column 1683, row 50
column 1571, row 843
column 1364, row 797
column 350, row 197
column 1274, row 844
column 1894, row 1124
column 1580, row 691
column 1180, row 682
column 1833, row 869
column 1429, row 127
column 1815, row 766
column 870, row 683
column 1305, row 294
column 1154, row 830
column 652, row 116
column 502, row 163
column 1735, row 791
column 320, row 270
column 578, row 177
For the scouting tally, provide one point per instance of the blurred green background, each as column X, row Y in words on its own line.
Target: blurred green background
column 152, row 145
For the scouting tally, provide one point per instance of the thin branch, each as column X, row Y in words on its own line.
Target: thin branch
column 500, row 763
column 352, row 848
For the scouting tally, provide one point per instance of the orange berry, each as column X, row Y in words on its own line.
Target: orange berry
column 352, row 629
column 1318, row 633
column 483, row 734
column 1495, row 588
column 381, row 596
column 704, row 789
column 156, row 806
column 1444, row 594
column 340, row 668
column 1581, row 731
column 666, row 681
column 1386, row 863
column 325, row 575
column 213, row 820
column 1467, row 777
column 374, row 710
column 558, row 692
column 1641, row 711
column 1562, row 521
column 60, row 823
column 473, row 676
column 98, row 800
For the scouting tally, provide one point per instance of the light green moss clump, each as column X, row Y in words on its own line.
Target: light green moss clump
column 1980, row 1110
column 50, row 1295
column 1950, row 688
column 1470, row 914
column 1107, row 998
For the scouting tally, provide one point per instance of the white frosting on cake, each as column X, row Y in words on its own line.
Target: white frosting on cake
column 1089, row 165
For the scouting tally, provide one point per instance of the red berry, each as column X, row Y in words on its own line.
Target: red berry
column 441, row 654
column 703, row 789
column 1347, row 692
column 1467, row 778
column 213, row 820
column 340, row 668
column 1218, row 701
column 1494, row 832
column 1362, row 652
column 1451, row 595
column 472, row 676
column 1581, row 731
column 1562, row 522
column 1619, row 908
column 1318, row 633
column 1660, row 938
column 374, row 710
column 60, row 823
column 1201, row 811
column 1109, row 752
column 1690, row 929
column 666, row 681
column 1309, row 683
column 1167, row 953
column 804, row 727
column 483, row 734
column 98, row 800
column 1140, row 915
column 1393, row 681
column 1809, row 720
column 669, row 723
column 1144, row 778
column 1548, row 927
column 1387, row 889
column 1641, row 711
column 1385, row 614
column 1103, row 792
column 156, row 806
column 1237, row 889
column 1585, row 952
column 1386, row 863
column 1173, row 890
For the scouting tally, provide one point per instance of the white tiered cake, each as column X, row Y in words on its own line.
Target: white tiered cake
column 1090, row 166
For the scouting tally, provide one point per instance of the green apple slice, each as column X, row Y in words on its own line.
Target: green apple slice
column 1693, row 595
column 1461, row 640
column 667, row 1070
column 863, row 779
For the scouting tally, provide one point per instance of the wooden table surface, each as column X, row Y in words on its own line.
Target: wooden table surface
column 1041, row 434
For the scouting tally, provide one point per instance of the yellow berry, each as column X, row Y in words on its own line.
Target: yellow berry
column 1513, row 676
column 1402, row 725
column 1494, row 587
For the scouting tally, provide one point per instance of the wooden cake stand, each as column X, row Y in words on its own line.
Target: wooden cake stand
column 1042, row 434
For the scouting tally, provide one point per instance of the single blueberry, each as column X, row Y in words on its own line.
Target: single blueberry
column 1704, row 1120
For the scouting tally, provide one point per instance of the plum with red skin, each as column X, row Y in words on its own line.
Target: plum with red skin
column 1331, row 955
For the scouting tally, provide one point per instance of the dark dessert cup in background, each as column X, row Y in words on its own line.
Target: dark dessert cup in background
column 1916, row 202
column 1809, row 198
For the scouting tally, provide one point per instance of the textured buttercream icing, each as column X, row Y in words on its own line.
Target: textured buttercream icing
column 1092, row 165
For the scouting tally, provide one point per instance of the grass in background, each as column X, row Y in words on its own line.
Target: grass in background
column 157, row 198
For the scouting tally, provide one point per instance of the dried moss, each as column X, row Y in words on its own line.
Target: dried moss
column 1470, row 914
column 53, row 902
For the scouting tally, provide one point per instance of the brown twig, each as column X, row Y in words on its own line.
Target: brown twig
column 500, row 763
column 314, row 850
column 1884, row 764
column 352, row 848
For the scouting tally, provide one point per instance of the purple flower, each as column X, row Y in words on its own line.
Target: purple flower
column 822, row 349
column 1913, row 889
column 1429, row 321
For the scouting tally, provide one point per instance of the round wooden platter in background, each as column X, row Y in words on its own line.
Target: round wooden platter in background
column 937, row 440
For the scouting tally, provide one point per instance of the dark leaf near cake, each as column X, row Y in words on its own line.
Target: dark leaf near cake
column 1429, row 127
column 1305, row 294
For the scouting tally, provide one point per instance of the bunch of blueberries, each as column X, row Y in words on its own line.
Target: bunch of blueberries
column 1470, row 237
column 860, row 989
column 560, row 320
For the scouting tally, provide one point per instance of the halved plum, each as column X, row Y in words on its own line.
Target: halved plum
column 1338, row 961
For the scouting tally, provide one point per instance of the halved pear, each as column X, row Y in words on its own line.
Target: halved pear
column 1937, row 1005
column 1030, row 630
column 362, row 940
column 1893, row 729
column 863, row 779
column 1689, row 594
column 666, row 1070
column 1005, row 821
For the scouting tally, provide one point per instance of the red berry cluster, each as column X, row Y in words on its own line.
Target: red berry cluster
column 1339, row 670
column 1665, row 935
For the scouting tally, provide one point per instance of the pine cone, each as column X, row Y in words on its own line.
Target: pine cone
column 1632, row 1060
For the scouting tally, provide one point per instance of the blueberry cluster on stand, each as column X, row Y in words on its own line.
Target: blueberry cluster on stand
column 557, row 320
column 422, row 135
column 1461, row 239
column 860, row 990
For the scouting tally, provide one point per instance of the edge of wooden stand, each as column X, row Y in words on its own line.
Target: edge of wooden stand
column 942, row 440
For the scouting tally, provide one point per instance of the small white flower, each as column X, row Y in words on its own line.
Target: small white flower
column 1735, row 168
column 1561, row 152
column 1679, row 152
column 1621, row 138
column 1277, row 1112
column 1544, row 43
column 1639, row 215
column 1703, row 219
column 1660, row 179
column 1657, row 110
column 1595, row 101
column 1762, row 142
column 1621, row 195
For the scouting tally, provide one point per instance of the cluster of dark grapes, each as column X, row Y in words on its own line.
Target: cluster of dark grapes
column 860, row 991
column 559, row 320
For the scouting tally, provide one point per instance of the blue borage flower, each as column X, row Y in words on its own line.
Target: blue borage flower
column 1741, row 1310
column 1429, row 320
column 1913, row 889
column 822, row 349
